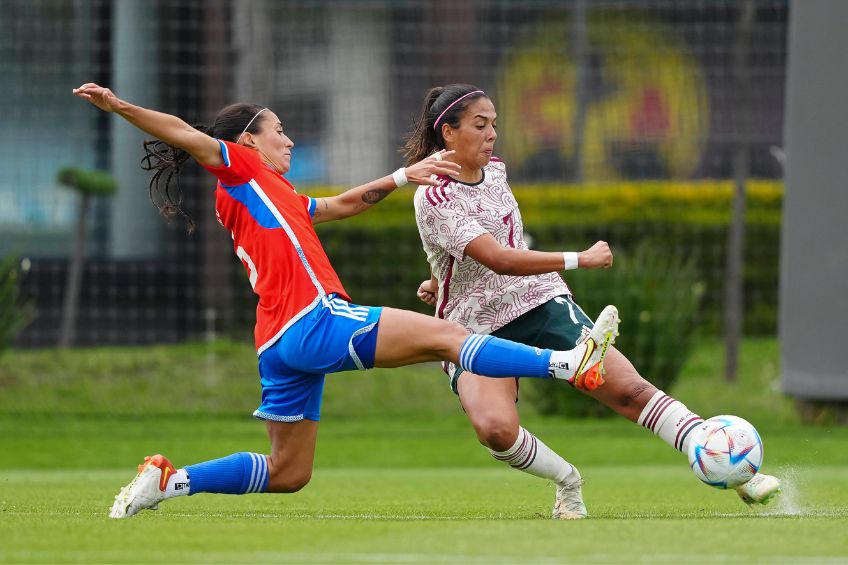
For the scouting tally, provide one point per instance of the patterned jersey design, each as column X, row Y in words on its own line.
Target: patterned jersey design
column 449, row 217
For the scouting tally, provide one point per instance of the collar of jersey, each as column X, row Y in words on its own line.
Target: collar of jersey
column 272, row 169
column 482, row 178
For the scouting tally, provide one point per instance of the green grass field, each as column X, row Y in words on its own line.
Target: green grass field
column 399, row 478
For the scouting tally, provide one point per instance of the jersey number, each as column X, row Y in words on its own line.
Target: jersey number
column 508, row 220
column 248, row 263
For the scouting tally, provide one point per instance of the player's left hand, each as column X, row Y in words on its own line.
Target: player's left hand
column 424, row 171
column 427, row 292
column 599, row 256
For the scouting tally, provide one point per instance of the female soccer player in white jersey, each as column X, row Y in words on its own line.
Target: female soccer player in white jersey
column 305, row 325
column 485, row 277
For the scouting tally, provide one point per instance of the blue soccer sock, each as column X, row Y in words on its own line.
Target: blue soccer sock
column 495, row 357
column 239, row 473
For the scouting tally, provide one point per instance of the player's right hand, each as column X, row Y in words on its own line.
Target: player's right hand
column 426, row 170
column 101, row 97
column 599, row 256
column 427, row 292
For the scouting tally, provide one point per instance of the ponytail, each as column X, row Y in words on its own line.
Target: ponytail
column 422, row 141
column 166, row 161
column 446, row 104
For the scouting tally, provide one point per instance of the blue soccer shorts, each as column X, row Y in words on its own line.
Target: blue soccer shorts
column 334, row 336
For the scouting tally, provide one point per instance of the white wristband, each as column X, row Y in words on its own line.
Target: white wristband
column 399, row 176
column 570, row 260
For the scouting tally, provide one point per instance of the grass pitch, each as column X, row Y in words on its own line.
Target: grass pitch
column 412, row 487
column 389, row 491
column 462, row 515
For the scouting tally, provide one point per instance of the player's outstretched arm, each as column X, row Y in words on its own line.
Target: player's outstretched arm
column 486, row 250
column 170, row 129
column 357, row 200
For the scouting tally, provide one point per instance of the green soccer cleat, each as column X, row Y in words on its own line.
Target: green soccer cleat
column 759, row 490
column 590, row 372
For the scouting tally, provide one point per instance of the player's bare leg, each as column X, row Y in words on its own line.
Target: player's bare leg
column 287, row 469
column 490, row 406
column 405, row 338
column 292, row 454
column 624, row 390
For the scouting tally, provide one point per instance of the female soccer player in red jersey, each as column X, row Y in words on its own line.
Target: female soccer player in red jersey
column 305, row 325
column 485, row 277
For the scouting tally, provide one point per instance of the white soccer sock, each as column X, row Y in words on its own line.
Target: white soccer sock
column 178, row 484
column 564, row 363
column 530, row 455
column 670, row 420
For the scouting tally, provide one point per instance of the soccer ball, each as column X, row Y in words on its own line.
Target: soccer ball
column 725, row 451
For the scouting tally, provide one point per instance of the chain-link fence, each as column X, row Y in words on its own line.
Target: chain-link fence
column 641, row 122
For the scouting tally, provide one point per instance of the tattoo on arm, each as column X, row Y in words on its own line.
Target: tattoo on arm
column 374, row 196
column 321, row 207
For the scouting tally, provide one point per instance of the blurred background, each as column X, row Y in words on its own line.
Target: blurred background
column 657, row 125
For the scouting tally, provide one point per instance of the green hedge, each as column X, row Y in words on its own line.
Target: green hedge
column 379, row 257
column 700, row 203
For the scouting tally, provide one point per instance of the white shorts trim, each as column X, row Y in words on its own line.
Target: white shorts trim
column 352, row 351
column 274, row 418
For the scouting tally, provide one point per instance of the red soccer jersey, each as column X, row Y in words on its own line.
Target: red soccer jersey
column 271, row 226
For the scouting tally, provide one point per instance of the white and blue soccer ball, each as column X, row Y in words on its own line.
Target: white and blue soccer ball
column 725, row 451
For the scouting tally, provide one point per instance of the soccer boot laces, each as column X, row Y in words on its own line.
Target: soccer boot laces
column 759, row 490
column 146, row 490
column 569, row 498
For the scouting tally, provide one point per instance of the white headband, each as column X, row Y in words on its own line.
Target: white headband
column 256, row 115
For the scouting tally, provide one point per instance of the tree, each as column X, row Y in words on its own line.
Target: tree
column 88, row 184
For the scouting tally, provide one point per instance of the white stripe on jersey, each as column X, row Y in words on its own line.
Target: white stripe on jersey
column 287, row 228
column 225, row 153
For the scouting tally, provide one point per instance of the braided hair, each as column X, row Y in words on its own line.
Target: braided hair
column 165, row 160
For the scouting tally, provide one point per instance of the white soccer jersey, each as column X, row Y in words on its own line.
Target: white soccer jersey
column 449, row 217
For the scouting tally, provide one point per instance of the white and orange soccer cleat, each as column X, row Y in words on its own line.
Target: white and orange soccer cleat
column 759, row 490
column 590, row 372
column 146, row 490
column 569, row 498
